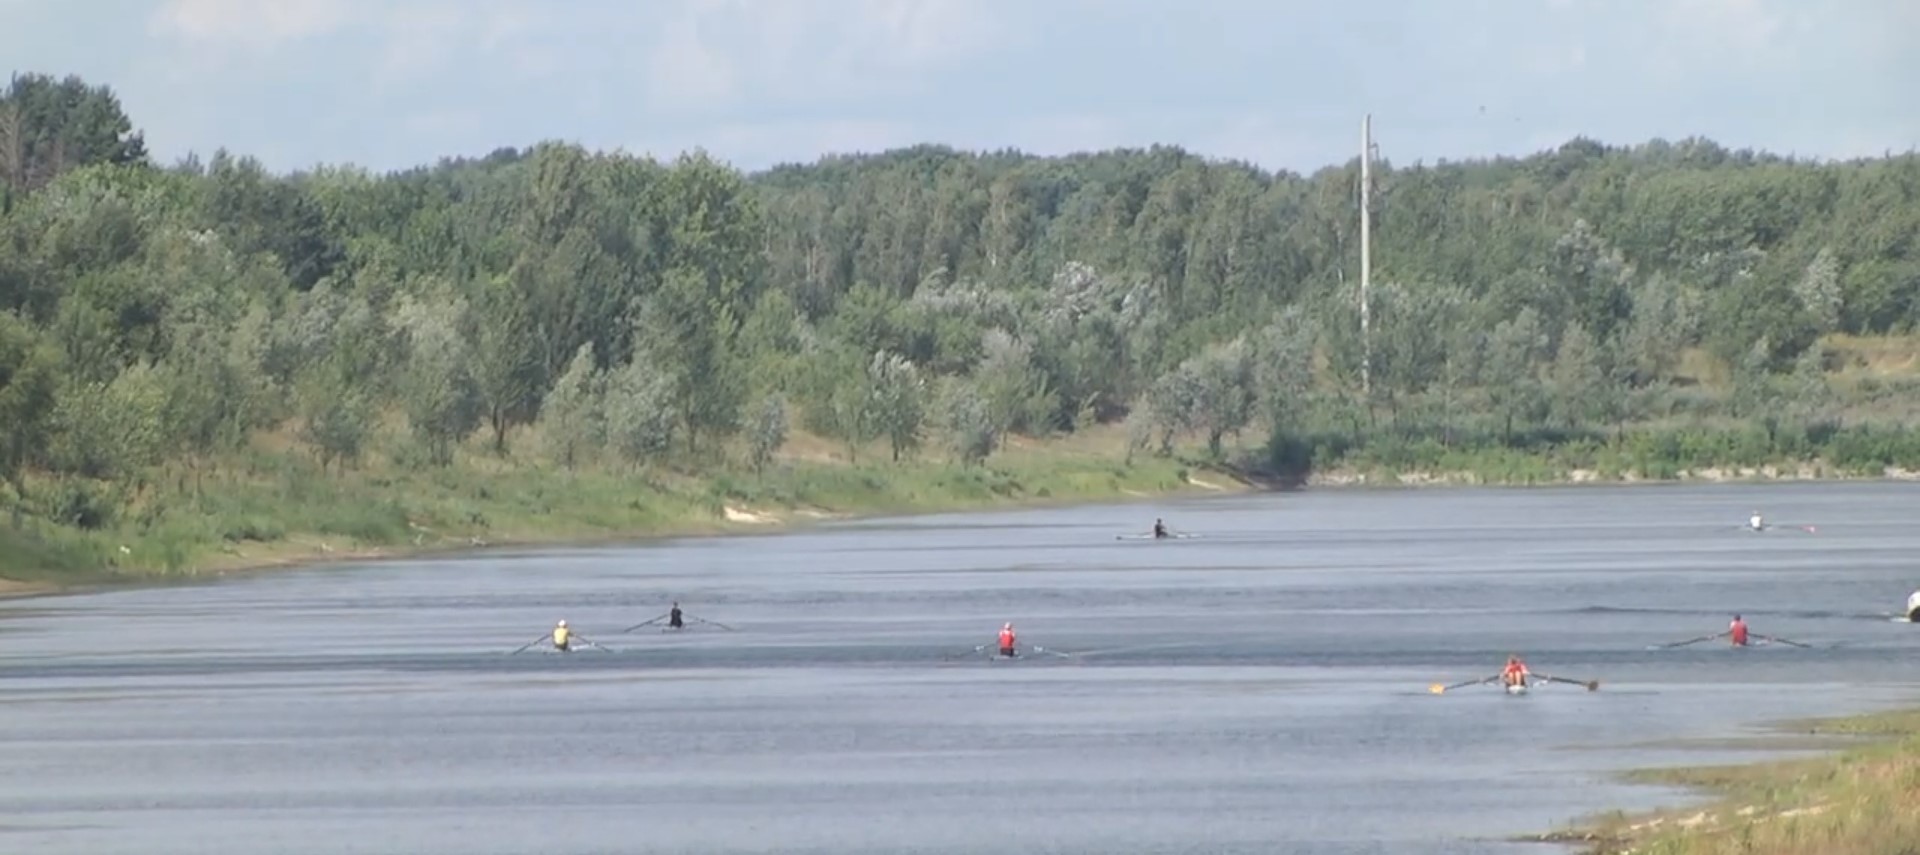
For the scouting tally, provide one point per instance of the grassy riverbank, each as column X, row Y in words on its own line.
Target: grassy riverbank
column 274, row 507
column 1655, row 453
column 1864, row 800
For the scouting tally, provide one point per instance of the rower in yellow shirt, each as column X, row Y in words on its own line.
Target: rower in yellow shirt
column 562, row 638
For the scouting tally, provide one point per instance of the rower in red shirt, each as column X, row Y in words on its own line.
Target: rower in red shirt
column 1515, row 674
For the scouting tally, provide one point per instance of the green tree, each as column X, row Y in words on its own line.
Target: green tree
column 1819, row 291
column 640, row 411
column 29, row 381
column 896, row 404
column 572, row 418
column 710, row 243
column 506, row 361
column 1222, row 391
column 1580, row 381
column 443, row 401
column 1660, row 324
column 1017, row 394
column 767, row 430
column 966, row 416
column 1282, row 370
column 338, row 413
column 111, row 430
column 48, row 127
column 1513, row 375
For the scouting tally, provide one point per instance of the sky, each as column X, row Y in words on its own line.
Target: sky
column 1281, row 83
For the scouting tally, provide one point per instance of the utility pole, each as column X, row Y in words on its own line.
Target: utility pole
column 1366, row 250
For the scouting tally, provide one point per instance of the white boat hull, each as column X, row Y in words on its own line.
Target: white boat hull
column 1913, row 607
column 1517, row 689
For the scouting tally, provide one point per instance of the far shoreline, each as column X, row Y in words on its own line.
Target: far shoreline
column 739, row 520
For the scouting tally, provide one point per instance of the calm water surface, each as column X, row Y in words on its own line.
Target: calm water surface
column 1261, row 688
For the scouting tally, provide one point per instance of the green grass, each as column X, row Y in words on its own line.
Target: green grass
column 269, row 507
column 1862, row 801
column 1637, row 453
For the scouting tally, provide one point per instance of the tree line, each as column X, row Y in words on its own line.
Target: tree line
column 588, row 308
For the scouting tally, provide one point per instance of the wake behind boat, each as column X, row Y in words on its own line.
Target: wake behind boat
column 1758, row 523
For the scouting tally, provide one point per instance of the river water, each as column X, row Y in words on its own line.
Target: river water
column 1260, row 688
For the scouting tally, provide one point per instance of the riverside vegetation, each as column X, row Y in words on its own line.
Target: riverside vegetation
column 205, row 365
column 1864, row 801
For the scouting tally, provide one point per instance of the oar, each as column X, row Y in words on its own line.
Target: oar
column 529, row 644
column 648, row 623
column 1439, row 689
column 1780, row 640
column 1685, row 643
column 1136, row 647
column 713, row 622
column 1592, row 685
column 592, row 645
column 1038, row 649
column 974, row 652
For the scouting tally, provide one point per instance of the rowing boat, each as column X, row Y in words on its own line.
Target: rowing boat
column 1517, row 689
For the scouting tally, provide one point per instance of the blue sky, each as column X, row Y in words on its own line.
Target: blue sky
column 1281, row 83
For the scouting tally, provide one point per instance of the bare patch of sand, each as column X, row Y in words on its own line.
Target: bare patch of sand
column 743, row 515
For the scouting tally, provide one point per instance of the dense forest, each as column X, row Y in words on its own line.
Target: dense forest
column 578, row 309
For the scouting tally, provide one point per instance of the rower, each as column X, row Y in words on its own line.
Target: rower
column 1755, row 522
column 673, row 617
column 1159, row 529
column 561, row 637
column 1515, row 674
column 1737, row 631
column 1007, row 641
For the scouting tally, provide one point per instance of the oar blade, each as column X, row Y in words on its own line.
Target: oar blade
column 645, row 623
column 1688, row 641
column 522, row 648
column 1439, row 689
column 1589, row 685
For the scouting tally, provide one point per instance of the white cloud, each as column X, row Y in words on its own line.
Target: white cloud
column 1727, row 33
column 1267, row 141
column 915, row 33
column 251, row 24
column 418, row 38
column 684, row 69
column 716, row 52
column 762, row 80
column 1553, row 58
column 1064, row 134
